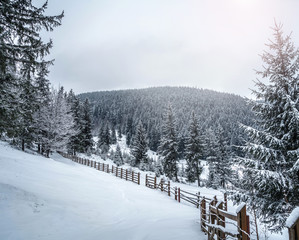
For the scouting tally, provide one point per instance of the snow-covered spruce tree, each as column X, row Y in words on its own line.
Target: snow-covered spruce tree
column 224, row 170
column 139, row 147
column 194, row 151
column 22, row 53
column 42, row 89
column 129, row 130
column 273, row 148
column 118, row 158
column 86, row 136
column 57, row 123
column 74, row 144
column 104, row 139
column 119, row 132
column 26, row 107
column 212, row 151
column 113, row 134
column 168, row 147
column 219, row 159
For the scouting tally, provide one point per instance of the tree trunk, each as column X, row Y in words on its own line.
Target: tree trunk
column 198, row 175
column 23, row 145
column 256, row 227
column 38, row 148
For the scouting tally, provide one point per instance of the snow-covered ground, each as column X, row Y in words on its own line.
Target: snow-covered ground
column 55, row 198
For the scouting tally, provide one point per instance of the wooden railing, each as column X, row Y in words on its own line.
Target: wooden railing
column 117, row 171
column 126, row 174
column 215, row 218
column 178, row 193
column 213, row 212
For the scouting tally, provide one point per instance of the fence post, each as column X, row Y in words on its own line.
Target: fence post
column 198, row 199
column 139, row 178
column 169, row 188
column 121, row 173
column 126, row 174
column 112, row 169
column 108, row 169
column 95, row 164
column 99, row 164
column 132, row 176
column 225, row 201
column 155, row 182
column 116, row 171
column 203, row 213
column 242, row 224
column 161, row 182
column 146, row 180
column 176, row 193
column 179, row 195
column 220, row 221
column 103, row 167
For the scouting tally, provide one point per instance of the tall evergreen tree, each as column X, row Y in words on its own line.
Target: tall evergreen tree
column 86, row 136
column 212, row 153
column 22, row 57
column 219, row 161
column 224, row 170
column 26, row 106
column 75, row 141
column 57, row 122
column 113, row 134
column 129, row 131
column 42, row 89
column 118, row 158
column 168, row 146
column 273, row 148
column 104, row 139
column 194, row 151
column 140, row 147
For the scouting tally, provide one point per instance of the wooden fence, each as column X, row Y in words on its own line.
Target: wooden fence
column 213, row 213
column 126, row 174
column 117, row 171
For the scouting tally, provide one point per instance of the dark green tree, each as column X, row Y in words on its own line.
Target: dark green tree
column 22, row 58
column 168, row 146
column 272, row 151
column 86, row 136
column 139, row 147
column 194, row 151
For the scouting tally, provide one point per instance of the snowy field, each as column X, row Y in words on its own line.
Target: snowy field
column 57, row 199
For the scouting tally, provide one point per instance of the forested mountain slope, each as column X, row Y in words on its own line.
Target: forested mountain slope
column 123, row 110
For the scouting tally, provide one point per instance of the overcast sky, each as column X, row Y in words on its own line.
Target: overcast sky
column 214, row 44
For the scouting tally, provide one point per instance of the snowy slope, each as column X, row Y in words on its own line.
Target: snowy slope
column 55, row 198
